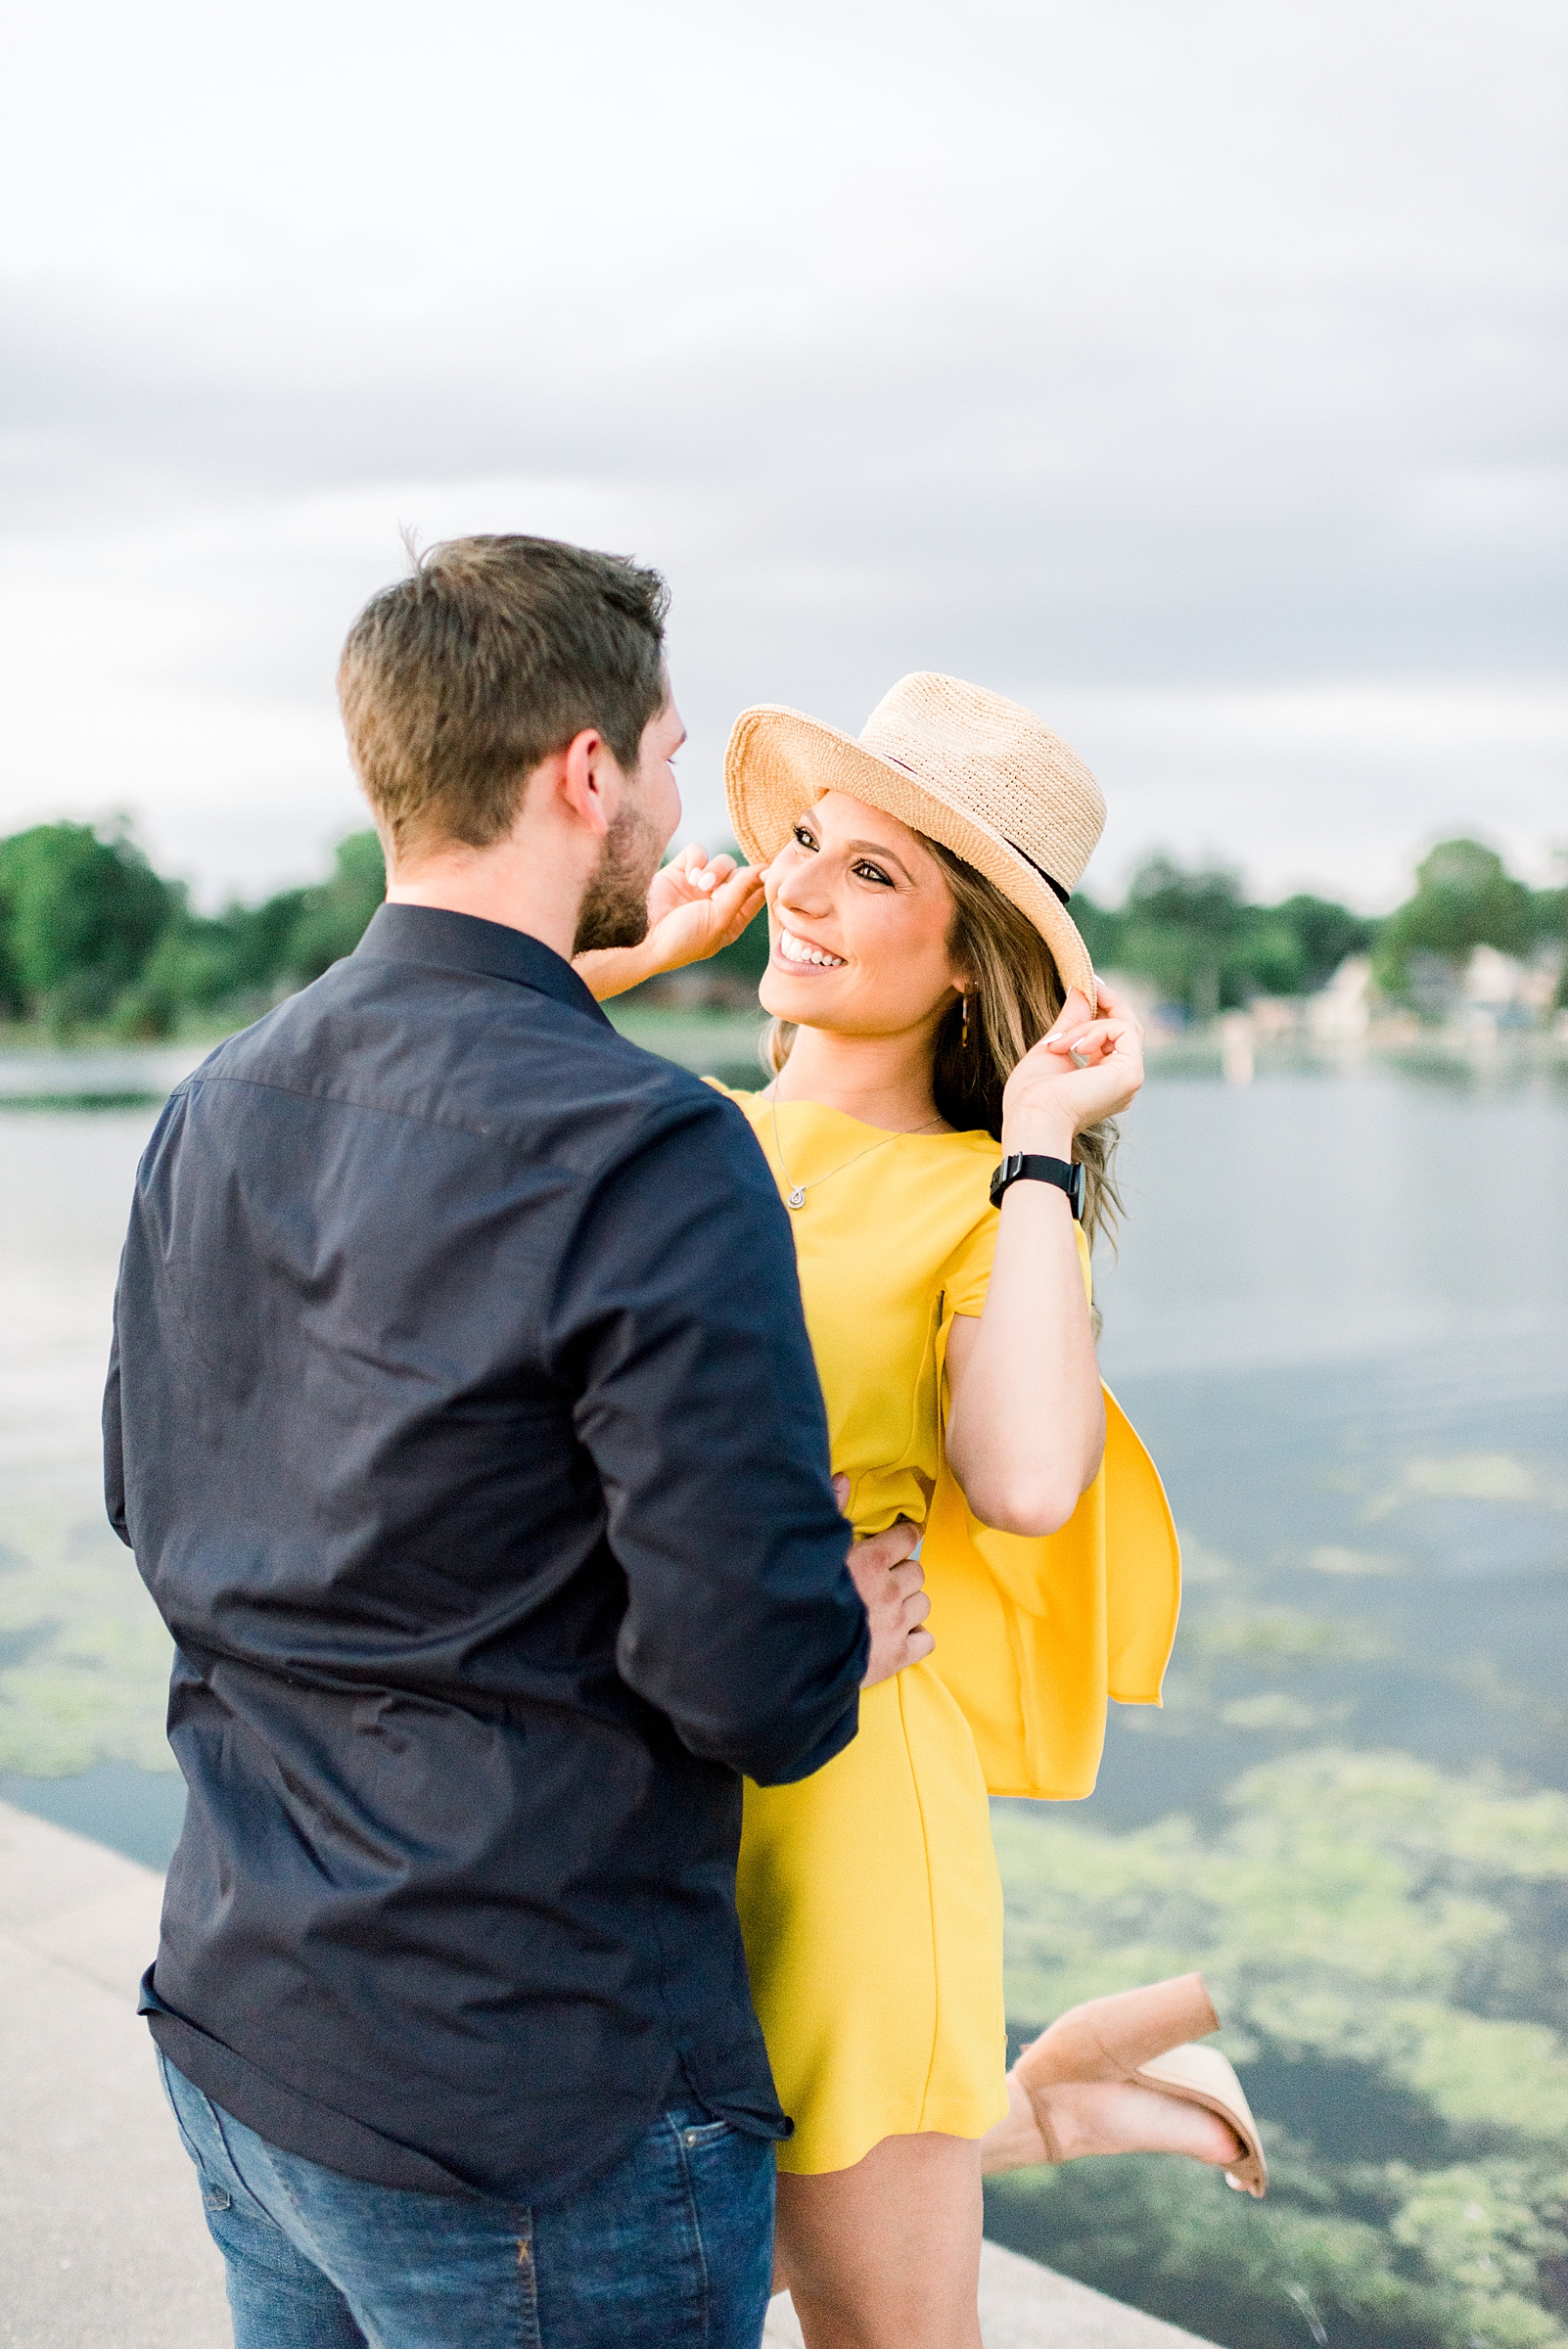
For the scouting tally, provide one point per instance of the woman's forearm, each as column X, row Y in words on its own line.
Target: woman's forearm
column 609, row 971
column 1026, row 1423
column 1026, row 1429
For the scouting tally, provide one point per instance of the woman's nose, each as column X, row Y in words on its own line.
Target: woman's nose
column 796, row 893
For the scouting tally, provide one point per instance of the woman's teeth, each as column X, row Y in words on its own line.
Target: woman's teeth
column 796, row 950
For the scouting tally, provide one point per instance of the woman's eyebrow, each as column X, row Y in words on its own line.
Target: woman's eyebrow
column 872, row 848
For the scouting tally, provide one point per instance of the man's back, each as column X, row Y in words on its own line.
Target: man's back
column 467, row 1433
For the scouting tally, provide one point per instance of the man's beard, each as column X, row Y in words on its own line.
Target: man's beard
column 615, row 907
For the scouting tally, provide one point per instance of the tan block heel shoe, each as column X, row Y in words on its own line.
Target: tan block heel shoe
column 1144, row 2036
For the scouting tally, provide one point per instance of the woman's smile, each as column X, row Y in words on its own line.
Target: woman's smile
column 797, row 953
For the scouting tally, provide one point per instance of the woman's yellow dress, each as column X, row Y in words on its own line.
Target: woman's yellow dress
column 868, row 1893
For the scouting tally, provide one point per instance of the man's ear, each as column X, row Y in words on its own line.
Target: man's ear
column 591, row 781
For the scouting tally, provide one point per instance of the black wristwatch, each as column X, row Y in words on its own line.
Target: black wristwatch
column 1018, row 1168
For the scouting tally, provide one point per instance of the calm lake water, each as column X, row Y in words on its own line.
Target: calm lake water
column 1340, row 1318
column 1339, row 1315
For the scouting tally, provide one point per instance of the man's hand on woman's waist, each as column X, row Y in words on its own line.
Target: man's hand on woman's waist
column 892, row 1584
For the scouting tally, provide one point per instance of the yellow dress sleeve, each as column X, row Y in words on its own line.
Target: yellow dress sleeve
column 1034, row 1636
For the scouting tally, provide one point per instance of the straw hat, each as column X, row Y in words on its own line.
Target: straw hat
column 979, row 773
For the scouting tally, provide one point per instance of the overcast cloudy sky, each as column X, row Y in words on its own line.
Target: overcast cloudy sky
column 1193, row 374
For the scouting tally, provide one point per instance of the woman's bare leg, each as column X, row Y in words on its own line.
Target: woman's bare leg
column 886, row 2255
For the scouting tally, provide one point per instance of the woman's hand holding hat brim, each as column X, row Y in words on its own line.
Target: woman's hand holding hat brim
column 1084, row 1068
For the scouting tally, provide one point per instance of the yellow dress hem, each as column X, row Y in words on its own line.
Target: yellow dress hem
column 942, row 2116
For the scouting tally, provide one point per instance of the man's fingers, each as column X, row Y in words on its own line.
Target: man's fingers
column 892, row 1586
column 902, row 1604
column 887, row 1548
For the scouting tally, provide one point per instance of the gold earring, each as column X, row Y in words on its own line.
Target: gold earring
column 963, row 1033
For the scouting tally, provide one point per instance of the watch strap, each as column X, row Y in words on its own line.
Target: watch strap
column 1021, row 1167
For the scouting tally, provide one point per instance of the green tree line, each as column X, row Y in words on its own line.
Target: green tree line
column 93, row 939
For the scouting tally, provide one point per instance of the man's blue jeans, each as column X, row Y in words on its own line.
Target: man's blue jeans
column 672, row 2250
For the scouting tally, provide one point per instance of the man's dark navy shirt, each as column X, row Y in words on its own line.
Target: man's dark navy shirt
column 463, row 1422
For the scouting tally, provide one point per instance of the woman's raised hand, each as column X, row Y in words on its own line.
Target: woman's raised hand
column 1087, row 1067
column 697, row 905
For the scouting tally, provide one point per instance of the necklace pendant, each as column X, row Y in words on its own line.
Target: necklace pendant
column 796, row 1197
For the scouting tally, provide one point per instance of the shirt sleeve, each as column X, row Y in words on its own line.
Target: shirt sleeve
column 114, row 1444
column 678, row 1321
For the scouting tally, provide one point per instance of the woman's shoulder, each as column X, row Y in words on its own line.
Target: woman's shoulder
column 973, row 1157
column 970, row 1160
column 746, row 1103
column 941, row 1185
column 980, row 1145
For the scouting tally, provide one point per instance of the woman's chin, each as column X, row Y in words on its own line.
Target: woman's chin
column 803, row 1000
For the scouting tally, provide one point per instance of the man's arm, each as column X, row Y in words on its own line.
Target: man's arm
column 679, row 1320
column 115, row 1442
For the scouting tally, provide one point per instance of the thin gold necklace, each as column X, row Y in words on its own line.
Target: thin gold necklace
column 795, row 1196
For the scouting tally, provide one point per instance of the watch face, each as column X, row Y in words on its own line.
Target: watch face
column 1076, row 1194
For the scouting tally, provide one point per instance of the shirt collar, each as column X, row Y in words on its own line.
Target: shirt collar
column 462, row 941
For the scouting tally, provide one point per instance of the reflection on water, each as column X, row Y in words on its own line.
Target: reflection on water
column 1340, row 1318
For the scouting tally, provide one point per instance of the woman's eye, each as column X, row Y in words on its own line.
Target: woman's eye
column 873, row 872
column 802, row 837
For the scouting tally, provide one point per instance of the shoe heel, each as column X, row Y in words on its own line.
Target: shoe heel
column 1108, row 2038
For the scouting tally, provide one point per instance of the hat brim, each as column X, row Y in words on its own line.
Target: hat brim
column 779, row 761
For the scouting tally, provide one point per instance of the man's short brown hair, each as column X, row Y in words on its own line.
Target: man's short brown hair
column 495, row 652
